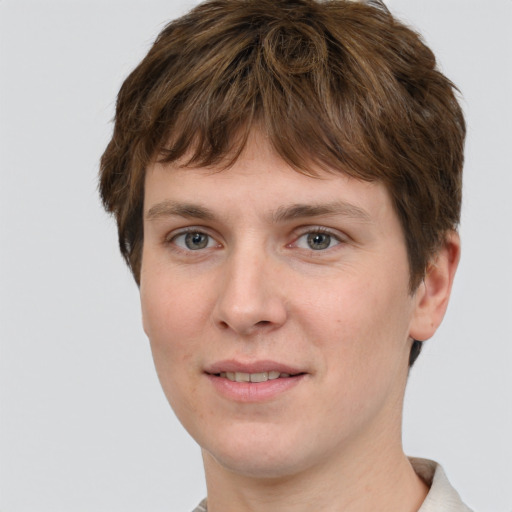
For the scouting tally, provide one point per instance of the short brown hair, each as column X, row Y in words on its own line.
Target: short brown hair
column 335, row 84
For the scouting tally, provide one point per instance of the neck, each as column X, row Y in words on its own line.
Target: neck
column 379, row 479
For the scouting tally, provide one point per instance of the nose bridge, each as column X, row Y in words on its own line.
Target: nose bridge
column 249, row 297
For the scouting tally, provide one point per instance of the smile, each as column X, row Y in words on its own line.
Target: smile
column 253, row 377
column 253, row 382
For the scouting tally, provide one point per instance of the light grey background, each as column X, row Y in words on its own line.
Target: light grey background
column 84, row 425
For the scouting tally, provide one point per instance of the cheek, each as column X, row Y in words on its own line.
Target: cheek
column 363, row 328
column 171, row 327
column 172, row 303
column 365, row 354
column 172, row 320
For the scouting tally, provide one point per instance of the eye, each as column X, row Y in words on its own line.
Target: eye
column 317, row 241
column 194, row 241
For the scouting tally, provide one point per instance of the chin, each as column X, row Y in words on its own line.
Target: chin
column 262, row 466
column 267, row 455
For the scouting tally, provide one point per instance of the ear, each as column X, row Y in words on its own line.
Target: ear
column 433, row 293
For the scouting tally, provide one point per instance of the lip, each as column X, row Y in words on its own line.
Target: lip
column 232, row 365
column 253, row 392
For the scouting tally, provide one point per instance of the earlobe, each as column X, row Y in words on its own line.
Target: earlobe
column 433, row 293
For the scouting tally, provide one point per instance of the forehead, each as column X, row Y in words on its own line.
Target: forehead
column 260, row 179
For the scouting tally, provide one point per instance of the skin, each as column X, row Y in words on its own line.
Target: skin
column 341, row 312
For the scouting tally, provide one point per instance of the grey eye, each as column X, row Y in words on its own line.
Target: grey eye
column 195, row 241
column 318, row 241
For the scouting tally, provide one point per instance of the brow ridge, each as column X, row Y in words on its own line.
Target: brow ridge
column 282, row 214
column 172, row 208
column 295, row 211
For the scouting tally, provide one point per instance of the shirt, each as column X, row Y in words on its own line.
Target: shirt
column 442, row 497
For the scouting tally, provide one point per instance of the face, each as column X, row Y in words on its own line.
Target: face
column 278, row 310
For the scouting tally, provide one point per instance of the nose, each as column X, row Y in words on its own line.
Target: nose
column 250, row 299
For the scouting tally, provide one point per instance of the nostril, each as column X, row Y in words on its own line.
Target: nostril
column 263, row 322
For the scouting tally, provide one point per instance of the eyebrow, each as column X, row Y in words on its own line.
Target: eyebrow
column 297, row 211
column 282, row 214
column 172, row 208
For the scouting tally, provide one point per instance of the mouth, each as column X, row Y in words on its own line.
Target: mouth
column 253, row 382
column 254, row 385
column 255, row 377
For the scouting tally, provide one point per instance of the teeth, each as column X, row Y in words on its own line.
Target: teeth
column 259, row 377
column 253, row 377
column 242, row 377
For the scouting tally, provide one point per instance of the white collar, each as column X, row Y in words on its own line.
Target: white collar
column 442, row 497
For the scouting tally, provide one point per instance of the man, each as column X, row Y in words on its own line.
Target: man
column 286, row 179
